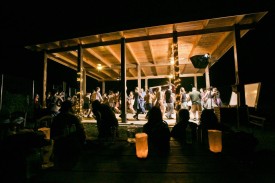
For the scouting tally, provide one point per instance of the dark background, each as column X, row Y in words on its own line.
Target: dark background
column 25, row 23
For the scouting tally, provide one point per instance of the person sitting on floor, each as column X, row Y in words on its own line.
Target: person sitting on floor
column 158, row 133
column 107, row 122
column 179, row 132
column 68, row 135
column 209, row 120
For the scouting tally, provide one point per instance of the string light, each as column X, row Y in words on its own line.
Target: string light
column 176, row 70
column 172, row 61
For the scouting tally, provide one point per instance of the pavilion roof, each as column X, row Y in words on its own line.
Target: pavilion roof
column 151, row 48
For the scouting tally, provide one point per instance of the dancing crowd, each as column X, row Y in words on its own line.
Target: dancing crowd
column 169, row 101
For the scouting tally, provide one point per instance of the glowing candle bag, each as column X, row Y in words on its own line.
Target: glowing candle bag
column 215, row 140
column 141, row 145
column 46, row 150
column 46, row 131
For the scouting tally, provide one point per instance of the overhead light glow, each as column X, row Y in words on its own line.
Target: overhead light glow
column 99, row 67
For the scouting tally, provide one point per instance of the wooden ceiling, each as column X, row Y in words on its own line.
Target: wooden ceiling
column 150, row 48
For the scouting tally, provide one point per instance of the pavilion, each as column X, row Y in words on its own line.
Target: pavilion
column 163, row 51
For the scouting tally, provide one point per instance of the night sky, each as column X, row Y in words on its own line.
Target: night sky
column 27, row 23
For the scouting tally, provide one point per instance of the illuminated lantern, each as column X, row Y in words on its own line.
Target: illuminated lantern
column 46, row 131
column 215, row 140
column 47, row 150
column 141, row 145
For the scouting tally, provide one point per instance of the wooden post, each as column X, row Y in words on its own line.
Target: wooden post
column 45, row 80
column 177, row 81
column 123, row 81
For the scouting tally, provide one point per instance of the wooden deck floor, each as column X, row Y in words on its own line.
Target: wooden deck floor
column 117, row 163
column 142, row 120
column 190, row 163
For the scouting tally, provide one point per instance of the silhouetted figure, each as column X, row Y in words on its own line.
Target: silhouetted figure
column 107, row 122
column 195, row 98
column 209, row 120
column 37, row 107
column 184, row 131
column 158, row 133
column 217, row 97
column 210, row 98
column 169, row 99
column 69, row 136
column 137, row 103
column 178, row 132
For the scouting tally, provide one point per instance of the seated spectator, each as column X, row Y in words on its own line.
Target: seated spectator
column 68, row 135
column 107, row 122
column 158, row 133
column 179, row 131
column 209, row 120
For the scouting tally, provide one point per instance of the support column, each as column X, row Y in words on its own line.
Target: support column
column 139, row 76
column 123, row 82
column 103, row 87
column 33, row 86
column 196, row 81
column 239, row 86
column 207, row 78
column 146, row 84
column 80, row 81
column 45, row 80
column 64, row 86
column 84, row 81
column 177, row 81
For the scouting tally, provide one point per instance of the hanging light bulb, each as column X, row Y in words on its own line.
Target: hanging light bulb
column 99, row 67
column 172, row 61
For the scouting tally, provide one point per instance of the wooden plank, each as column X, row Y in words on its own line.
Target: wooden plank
column 84, row 177
column 117, row 162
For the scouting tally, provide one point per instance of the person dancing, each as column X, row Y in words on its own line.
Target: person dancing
column 137, row 107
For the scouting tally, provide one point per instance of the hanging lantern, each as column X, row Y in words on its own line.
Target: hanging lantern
column 141, row 145
column 215, row 140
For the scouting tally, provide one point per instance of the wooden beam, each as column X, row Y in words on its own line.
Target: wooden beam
column 155, row 37
column 156, row 77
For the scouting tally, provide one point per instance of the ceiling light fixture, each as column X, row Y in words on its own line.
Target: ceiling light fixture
column 99, row 67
